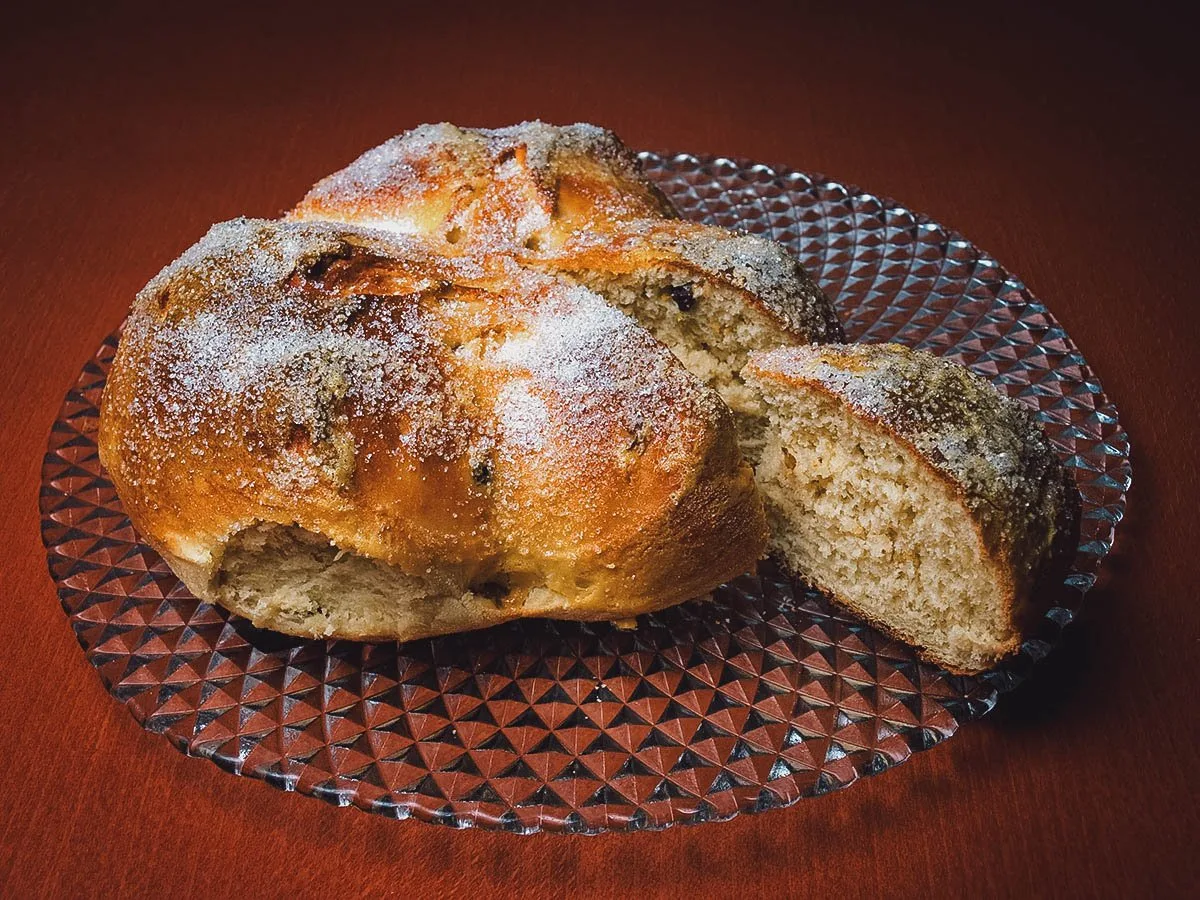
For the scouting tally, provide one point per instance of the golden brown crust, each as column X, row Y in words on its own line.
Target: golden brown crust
column 459, row 420
column 477, row 190
column 986, row 447
column 561, row 199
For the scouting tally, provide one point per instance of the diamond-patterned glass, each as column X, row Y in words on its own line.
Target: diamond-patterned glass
column 751, row 701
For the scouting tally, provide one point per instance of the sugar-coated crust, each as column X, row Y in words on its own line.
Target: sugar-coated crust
column 485, row 190
column 560, row 198
column 465, row 421
column 988, row 448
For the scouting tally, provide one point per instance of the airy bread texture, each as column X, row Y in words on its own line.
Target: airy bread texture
column 336, row 432
column 288, row 579
column 913, row 493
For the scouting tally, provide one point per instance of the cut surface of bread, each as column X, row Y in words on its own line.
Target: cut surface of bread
column 711, row 295
column 858, row 514
column 913, row 493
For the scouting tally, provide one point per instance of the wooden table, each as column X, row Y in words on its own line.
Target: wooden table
column 1064, row 145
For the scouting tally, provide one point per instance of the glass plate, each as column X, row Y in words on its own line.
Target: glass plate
column 750, row 702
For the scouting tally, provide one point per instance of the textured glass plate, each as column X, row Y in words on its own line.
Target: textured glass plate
column 748, row 702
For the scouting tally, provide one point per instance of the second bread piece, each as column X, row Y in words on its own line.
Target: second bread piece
column 912, row 492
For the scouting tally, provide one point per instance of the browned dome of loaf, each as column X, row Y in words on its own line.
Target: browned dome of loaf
column 489, row 189
column 494, row 441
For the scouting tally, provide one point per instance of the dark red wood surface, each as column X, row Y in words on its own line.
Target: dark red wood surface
column 1061, row 142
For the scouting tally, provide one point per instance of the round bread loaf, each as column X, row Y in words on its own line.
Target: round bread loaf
column 571, row 200
column 336, row 432
column 913, row 493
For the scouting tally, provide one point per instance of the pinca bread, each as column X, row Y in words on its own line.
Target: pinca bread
column 335, row 432
column 914, row 494
column 571, row 200
column 408, row 410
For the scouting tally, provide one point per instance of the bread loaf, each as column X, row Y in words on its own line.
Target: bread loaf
column 913, row 493
column 337, row 432
column 417, row 406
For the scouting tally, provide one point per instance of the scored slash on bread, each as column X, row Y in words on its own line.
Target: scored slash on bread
column 414, row 406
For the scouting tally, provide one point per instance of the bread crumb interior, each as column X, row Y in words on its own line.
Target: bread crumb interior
column 858, row 514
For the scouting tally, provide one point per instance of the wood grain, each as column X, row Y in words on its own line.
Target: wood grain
column 1062, row 143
